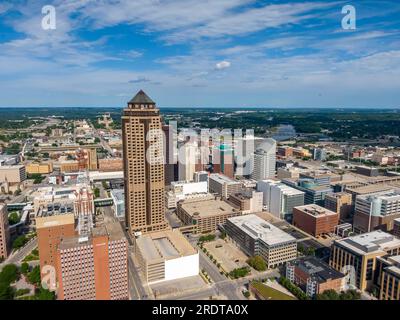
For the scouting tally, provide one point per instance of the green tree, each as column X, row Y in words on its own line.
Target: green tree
column 44, row 294
column 34, row 276
column 258, row 263
column 6, row 292
column 9, row 274
column 24, row 268
column 14, row 218
column 20, row 242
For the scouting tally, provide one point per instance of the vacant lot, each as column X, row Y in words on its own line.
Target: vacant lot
column 227, row 254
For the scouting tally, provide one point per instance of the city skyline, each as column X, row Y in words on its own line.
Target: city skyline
column 227, row 54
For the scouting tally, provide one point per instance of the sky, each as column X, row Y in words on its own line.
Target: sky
column 208, row 53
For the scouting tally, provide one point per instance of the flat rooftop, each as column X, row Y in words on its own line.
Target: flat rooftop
column 373, row 188
column 315, row 210
column 258, row 228
column 164, row 245
column 222, row 178
column 375, row 241
column 318, row 269
column 207, row 207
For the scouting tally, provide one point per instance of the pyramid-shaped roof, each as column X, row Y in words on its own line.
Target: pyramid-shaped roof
column 141, row 98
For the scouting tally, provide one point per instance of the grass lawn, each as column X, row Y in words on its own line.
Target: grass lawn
column 270, row 293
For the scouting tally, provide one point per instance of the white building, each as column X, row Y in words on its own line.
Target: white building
column 263, row 161
column 181, row 190
column 280, row 199
column 187, row 161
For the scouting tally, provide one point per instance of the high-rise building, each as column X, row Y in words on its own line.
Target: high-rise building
column 95, row 266
column 280, row 199
column 187, row 161
column 4, row 232
column 143, row 165
column 223, row 160
column 263, row 161
column 341, row 203
column 171, row 165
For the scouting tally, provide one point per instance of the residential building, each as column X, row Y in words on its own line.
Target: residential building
column 143, row 166
column 205, row 214
column 223, row 185
column 166, row 255
column 255, row 236
column 315, row 220
column 4, row 232
column 357, row 256
column 340, row 203
column 263, row 161
column 314, row 276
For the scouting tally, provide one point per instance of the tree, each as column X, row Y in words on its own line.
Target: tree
column 24, row 268
column 9, row 274
column 14, row 218
column 258, row 263
column 44, row 294
column 6, row 292
column 19, row 242
column 34, row 276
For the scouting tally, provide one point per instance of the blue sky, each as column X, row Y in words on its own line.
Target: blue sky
column 209, row 53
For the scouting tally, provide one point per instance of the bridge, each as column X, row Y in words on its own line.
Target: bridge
column 15, row 206
column 105, row 202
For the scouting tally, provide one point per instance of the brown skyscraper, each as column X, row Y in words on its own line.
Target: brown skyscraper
column 143, row 165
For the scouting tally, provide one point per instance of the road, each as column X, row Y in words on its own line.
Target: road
column 17, row 257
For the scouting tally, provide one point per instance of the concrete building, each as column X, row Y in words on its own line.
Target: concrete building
column 94, row 267
column 280, row 199
column 388, row 280
column 119, row 203
column 223, row 185
column 223, row 161
column 13, row 174
column 396, row 227
column 166, row 255
column 171, row 156
column 263, row 161
column 376, row 211
column 206, row 213
column 181, row 190
column 201, row 176
column 188, row 153
column 4, row 232
column 9, row 159
column 314, row 276
column 367, row 171
column 319, row 154
column 143, row 178
column 357, row 256
column 255, row 236
column 247, row 201
column 285, row 151
column 313, row 193
column 315, row 220
column 340, row 203
column 39, row 168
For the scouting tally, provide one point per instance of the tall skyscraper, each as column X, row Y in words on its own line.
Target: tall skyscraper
column 263, row 161
column 143, row 165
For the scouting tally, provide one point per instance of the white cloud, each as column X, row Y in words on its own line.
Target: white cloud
column 222, row 65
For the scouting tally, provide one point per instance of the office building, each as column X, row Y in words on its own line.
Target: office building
column 247, row 201
column 223, row 185
column 285, row 151
column 314, row 276
column 205, row 214
column 111, row 164
column 13, row 174
column 4, row 232
column 313, row 193
column 367, row 171
column 376, row 211
column 319, row 154
column 340, row 203
column 39, row 168
column 171, row 162
column 388, row 279
column 255, row 236
column 118, row 203
column 188, row 153
column 143, row 178
column 263, row 161
column 396, row 227
column 201, row 176
column 181, row 190
column 357, row 256
column 280, row 199
column 315, row 220
column 93, row 266
column 166, row 255
column 223, row 161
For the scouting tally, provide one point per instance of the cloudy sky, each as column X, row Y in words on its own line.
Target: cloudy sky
column 208, row 53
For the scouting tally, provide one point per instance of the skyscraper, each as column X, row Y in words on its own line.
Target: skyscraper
column 4, row 232
column 263, row 161
column 143, row 165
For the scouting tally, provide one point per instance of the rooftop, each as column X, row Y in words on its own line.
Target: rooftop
column 258, row 228
column 141, row 98
column 220, row 178
column 315, row 210
column 207, row 206
column 375, row 241
column 164, row 245
column 319, row 270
